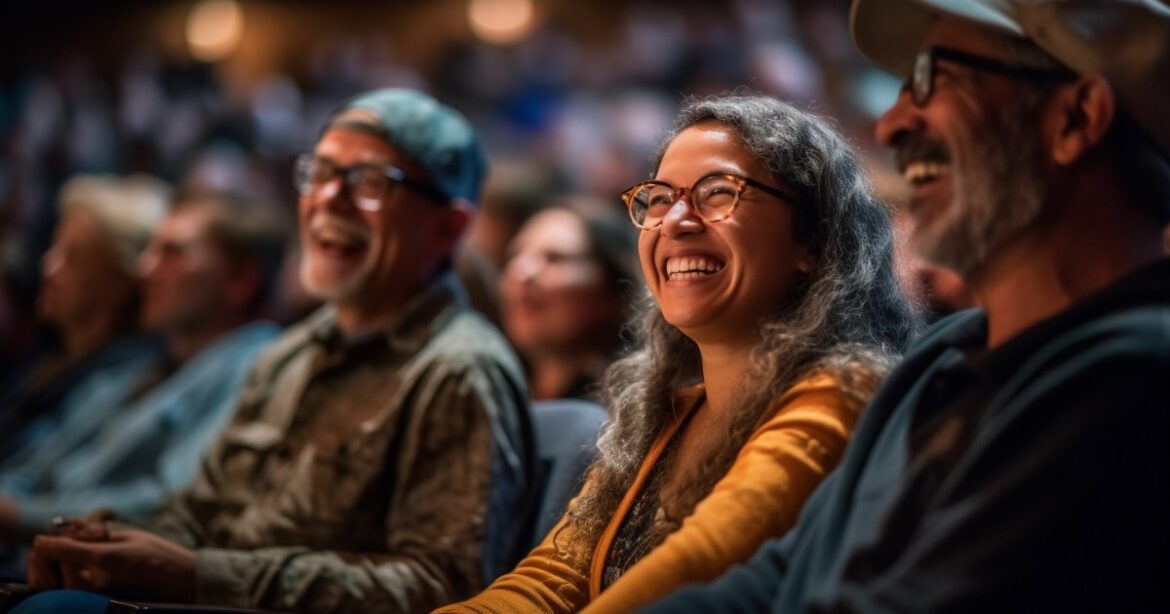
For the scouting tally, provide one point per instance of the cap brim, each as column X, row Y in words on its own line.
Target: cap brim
column 890, row 32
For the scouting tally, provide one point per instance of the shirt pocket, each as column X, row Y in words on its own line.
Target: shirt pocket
column 245, row 447
column 348, row 486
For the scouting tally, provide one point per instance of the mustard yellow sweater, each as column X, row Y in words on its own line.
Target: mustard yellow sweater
column 796, row 445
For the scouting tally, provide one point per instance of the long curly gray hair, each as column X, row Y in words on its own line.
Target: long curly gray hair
column 847, row 317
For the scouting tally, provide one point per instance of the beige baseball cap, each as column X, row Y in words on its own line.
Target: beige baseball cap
column 1125, row 41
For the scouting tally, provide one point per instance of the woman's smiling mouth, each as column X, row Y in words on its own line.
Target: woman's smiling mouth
column 684, row 268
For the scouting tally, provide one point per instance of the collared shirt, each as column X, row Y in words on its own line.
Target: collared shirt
column 61, row 410
column 145, row 449
column 364, row 474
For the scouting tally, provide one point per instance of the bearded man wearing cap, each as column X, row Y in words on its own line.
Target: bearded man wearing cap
column 1016, row 460
column 381, row 452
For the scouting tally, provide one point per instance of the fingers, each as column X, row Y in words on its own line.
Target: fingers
column 65, row 562
column 122, row 535
column 43, row 574
column 65, row 549
column 82, row 578
column 102, row 515
column 74, row 577
column 90, row 529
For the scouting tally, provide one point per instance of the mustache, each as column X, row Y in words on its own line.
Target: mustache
column 919, row 149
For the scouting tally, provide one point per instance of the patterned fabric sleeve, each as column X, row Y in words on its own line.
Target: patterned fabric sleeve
column 434, row 527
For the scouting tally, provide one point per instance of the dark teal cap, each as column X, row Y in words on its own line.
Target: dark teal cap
column 437, row 137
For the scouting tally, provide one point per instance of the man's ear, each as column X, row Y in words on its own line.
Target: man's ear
column 1081, row 114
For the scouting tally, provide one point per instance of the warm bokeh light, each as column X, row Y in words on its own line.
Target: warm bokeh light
column 501, row 21
column 214, row 28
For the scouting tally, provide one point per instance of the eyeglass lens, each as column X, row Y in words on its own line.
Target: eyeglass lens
column 713, row 198
column 367, row 183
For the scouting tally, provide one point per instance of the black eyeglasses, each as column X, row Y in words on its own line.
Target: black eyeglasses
column 714, row 198
column 367, row 183
column 921, row 79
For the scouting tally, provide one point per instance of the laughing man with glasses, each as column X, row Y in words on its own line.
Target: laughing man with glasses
column 381, row 455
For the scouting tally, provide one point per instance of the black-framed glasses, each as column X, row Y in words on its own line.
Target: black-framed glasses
column 714, row 198
column 921, row 79
column 367, row 183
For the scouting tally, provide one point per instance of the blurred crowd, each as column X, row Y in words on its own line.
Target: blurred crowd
column 565, row 111
column 374, row 312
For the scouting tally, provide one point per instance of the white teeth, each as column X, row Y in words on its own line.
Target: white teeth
column 332, row 238
column 691, row 267
column 686, row 276
column 917, row 172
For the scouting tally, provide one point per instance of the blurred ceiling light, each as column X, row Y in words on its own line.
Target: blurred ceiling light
column 501, row 21
column 214, row 28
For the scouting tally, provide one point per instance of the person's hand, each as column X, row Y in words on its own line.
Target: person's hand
column 90, row 529
column 41, row 573
column 134, row 564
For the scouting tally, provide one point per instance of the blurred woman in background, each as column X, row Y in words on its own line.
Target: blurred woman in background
column 88, row 298
column 566, row 288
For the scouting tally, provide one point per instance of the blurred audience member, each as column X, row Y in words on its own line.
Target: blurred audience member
column 89, row 298
column 513, row 193
column 380, row 457
column 568, row 282
column 775, row 313
column 206, row 274
column 480, row 279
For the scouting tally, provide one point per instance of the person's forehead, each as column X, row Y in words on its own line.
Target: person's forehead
column 348, row 145
column 81, row 226
column 554, row 228
column 81, row 232
column 186, row 224
column 709, row 146
column 352, row 143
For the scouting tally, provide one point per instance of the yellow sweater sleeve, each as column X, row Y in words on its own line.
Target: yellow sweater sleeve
column 542, row 582
column 760, row 497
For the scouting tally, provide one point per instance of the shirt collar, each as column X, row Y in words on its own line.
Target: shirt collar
column 408, row 332
column 1149, row 284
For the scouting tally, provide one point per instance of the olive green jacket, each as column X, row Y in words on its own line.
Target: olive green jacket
column 380, row 474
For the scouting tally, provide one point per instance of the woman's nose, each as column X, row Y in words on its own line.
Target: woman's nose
column 682, row 218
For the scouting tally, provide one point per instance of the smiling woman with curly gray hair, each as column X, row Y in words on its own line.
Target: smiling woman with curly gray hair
column 774, row 314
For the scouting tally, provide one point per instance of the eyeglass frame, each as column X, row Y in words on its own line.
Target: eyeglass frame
column 677, row 194
column 920, row 81
column 349, row 177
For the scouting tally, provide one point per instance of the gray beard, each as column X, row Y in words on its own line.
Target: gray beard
column 1001, row 193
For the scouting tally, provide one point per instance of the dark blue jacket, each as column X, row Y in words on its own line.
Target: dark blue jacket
column 1031, row 478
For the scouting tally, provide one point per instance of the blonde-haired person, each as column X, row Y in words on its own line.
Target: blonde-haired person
column 567, row 287
column 88, row 298
column 775, row 314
